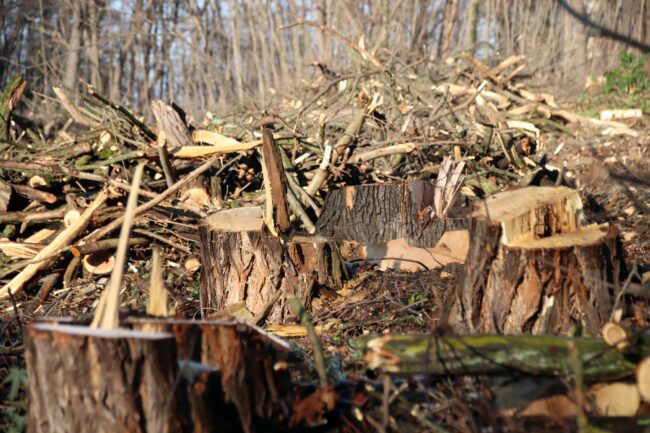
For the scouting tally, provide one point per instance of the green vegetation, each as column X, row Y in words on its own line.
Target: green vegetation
column 629, row 78
column 13, row 417
column 629, row 81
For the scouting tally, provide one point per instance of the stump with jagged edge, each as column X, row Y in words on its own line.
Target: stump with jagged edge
column 534, row 265
column 243, row 263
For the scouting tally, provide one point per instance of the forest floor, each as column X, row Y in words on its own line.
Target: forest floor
column 610, row 171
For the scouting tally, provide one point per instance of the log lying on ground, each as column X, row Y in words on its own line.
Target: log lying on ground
column 94, row 380
column 378, row 213
column 243, row 262
column 238, row 372
column 534, row 266
column 500, row 354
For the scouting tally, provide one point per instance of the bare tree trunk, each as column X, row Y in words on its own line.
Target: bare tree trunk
column 448, row 26
column 233, row 9
column 74, row 45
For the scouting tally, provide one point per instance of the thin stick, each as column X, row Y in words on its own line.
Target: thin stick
column 107, row 314
column 305, row 320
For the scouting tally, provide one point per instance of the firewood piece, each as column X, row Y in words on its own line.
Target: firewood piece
column 533, row 266
column 94, row 380
column 242, row 261
column 617, row 335
column 277, row 181
column 247, row 358
column 377, row 213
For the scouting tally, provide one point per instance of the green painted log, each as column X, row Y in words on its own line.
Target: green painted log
column 499, row 354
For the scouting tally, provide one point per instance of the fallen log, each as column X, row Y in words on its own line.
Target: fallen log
column 500, row 354
column 534, row 266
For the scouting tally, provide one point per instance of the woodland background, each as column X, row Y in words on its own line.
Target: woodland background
column 224, row 55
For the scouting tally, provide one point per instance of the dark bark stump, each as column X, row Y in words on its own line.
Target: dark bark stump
column 534, row 266
column 246, row 391
column 378, row 213
column 243, row 262
column 90, row 380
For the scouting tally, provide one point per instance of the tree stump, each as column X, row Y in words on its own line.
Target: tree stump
column 93, row 380
column 534, row 265
column 377, row 213
column 237, row 384
column 244, row 263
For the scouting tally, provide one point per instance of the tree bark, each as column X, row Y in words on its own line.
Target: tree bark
column 243, row 262
column 534, row 266
column 239, row 377
column 90, row 380
column 376, row 214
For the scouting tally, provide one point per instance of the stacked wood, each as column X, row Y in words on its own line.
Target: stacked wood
column 535, row 266
column 244, row 262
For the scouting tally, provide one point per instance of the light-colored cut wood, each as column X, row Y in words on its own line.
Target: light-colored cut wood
column 241, row 219
column 536, row 211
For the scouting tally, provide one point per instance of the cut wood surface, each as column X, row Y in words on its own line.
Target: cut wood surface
column 277, row 182
column 378, row 213
column 242, row 261
column 534, row 266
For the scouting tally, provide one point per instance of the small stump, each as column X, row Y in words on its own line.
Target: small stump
column 235, row 382
column 91, row 380
column 534, row 265
column 244, row 263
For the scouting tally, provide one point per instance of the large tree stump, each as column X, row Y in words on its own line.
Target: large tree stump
column 93, row 380
column 245, row 390
column 534, row 266
column 243, row 262
column 377, row 213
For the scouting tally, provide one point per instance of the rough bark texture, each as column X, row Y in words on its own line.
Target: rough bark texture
column 83, row 380
column 245, row 392
column 375, row 214
column 252, row 266
column 169, row 121
column 527, row 283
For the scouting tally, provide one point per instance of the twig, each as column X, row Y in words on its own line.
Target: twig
column 305, row 320
column 107, row 314
column 299, row 211
column 126, row 113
